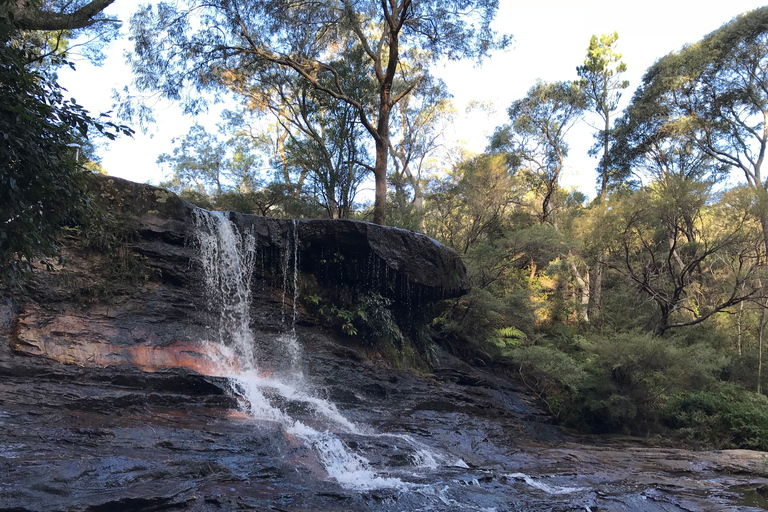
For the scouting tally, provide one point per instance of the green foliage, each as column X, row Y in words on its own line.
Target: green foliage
column 616, row 383
column 667, row 247
column 633, row 373
column 728, row 417
column 508, row 337
column 535, row 139
column 555, row 376
column 41, row 186
column 370, row 319
column 180, row 50
column 469, row 204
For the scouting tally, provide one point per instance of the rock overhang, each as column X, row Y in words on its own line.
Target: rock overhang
column 402, row 265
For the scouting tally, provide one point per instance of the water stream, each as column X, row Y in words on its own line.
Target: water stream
column 227, row 257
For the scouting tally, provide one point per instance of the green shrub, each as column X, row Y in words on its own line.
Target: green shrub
column 726, row 418
column 554, row 376
column 613, row 383
column 632, row 374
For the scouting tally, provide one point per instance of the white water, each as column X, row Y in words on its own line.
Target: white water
column 227, row 257
column 549, row 489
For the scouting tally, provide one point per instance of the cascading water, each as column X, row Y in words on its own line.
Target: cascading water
column 289, row 340
column 227, row 257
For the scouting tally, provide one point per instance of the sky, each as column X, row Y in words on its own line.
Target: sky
column 550, row 41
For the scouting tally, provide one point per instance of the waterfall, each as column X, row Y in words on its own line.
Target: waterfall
column 227, row 257
column 289, row 340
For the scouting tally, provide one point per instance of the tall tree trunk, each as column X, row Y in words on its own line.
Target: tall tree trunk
column 738, row 325
column 763, row 209
column 418, row 197
column 380, row 175
column 582, row 284
column 596, row 286
column 599, row 266
column 604, row 173
column 418, row 205
column 760, row 331
column 284, row 160
column 385, row 108
column 532, row 273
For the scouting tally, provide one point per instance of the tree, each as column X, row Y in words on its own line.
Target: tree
column 715, row 94
column 199, row 162
column 318, row 138
column 471, row 202
column 691, row 257
column 600, row 81
column 221, row 174
column 602, row 86
column 198, row 44
column 71, row 15
column 421, row 121
column 535, row 139
column 42, row 187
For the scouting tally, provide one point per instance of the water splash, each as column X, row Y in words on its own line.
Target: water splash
column 549, row 489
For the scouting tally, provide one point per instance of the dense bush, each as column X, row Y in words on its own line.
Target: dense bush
column 726, row 418
column 614, row 383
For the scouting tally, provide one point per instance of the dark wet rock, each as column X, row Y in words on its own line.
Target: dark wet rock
column 109, row 400
column 401, row 264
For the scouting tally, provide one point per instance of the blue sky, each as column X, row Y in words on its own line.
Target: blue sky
column 551, row 38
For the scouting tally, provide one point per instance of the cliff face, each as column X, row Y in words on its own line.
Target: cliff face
column 154, row 314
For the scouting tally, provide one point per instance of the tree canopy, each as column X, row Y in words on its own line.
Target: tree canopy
column 184, row 49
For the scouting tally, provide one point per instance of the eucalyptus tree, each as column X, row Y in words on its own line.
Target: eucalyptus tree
column 535, row 141
column 601, row 82
column 470, row 204
column 199, row 161
column 690, row 251
column 535, row 138
column 321, row 147
column 714, row 93
column 421, row 120
column 327, row 147
column 691, row 255
column 195, row 44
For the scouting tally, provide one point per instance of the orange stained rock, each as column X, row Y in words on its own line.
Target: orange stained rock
column 90, row 340
column 237, row 414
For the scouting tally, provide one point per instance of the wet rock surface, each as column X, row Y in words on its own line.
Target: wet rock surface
column 106, row 439
column 110, row 400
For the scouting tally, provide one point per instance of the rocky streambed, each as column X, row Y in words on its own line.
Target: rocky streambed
column 117, row 396
column 123, row 439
